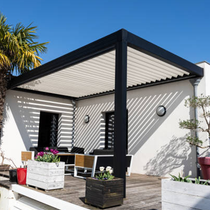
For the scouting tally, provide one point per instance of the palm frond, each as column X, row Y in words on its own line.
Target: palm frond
column 4, row 60
column 19, row 46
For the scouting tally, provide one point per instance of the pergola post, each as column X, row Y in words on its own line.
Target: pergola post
column 120, row 111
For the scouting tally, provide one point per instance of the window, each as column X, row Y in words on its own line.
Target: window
column 48, row 129
column 109, row 131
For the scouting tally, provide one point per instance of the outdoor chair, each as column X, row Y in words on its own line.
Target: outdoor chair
column 83, row 163
column 103, row 152
column 26, row 155
column 78, row 150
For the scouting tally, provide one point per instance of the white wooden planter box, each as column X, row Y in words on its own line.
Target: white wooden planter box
column 184, row 196
column 47, row 176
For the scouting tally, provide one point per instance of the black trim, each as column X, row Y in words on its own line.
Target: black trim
column 45, row 93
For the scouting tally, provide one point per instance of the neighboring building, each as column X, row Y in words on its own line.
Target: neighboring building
column 157, row 143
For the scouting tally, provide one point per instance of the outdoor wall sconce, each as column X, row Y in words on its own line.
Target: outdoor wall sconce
column 161, row 111
column 87, row 119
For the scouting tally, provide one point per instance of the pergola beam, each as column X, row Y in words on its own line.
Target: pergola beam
column 120, row 125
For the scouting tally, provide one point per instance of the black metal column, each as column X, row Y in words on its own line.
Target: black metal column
column 120, row 112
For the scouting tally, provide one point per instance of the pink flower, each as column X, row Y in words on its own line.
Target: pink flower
column 47, row 148
column 51, row 150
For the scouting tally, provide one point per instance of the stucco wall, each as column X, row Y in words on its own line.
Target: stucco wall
column 157, row 143
column 21, row 121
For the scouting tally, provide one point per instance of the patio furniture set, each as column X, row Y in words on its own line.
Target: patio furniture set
column 82, row 165
column 50, row 175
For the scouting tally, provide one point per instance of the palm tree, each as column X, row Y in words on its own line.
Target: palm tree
column 18, row 53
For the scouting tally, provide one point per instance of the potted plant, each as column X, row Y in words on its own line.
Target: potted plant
column 46, row 171
column 203, row 103
column 185, row 193
column 104, row 190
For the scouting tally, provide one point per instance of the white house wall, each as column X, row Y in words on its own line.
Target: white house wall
column 204, row 86
column 204, row 89
column 157, row 143
column 21, row 121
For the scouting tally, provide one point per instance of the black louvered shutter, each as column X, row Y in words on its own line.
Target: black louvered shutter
column 109, row 135
column 48, row 129
column 109, row 139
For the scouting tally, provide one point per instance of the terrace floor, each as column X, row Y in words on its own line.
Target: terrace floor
column 143, row 193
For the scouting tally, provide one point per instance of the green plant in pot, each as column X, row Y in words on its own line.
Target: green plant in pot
column 49, row 156
column 104, row 190
column 202, row 103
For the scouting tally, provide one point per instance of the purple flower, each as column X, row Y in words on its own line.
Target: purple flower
column 51, row 150
column 41, row 154
column 55, row 152
column 47, row 148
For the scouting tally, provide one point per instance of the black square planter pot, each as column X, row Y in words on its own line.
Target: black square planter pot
column 104, row 194
column 13, row 175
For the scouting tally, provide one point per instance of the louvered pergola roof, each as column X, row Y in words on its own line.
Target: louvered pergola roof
column 90, row 70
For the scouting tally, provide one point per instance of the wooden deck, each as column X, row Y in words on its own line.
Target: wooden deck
column 143, row 193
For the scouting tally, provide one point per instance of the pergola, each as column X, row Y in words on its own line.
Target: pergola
column 116, row 64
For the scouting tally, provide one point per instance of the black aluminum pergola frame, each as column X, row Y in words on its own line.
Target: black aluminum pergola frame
column 118, row 41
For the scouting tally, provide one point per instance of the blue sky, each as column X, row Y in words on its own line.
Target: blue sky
column 180, row 26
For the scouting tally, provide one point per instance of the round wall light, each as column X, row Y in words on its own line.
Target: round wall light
column 87, row 119
column 161, row 111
